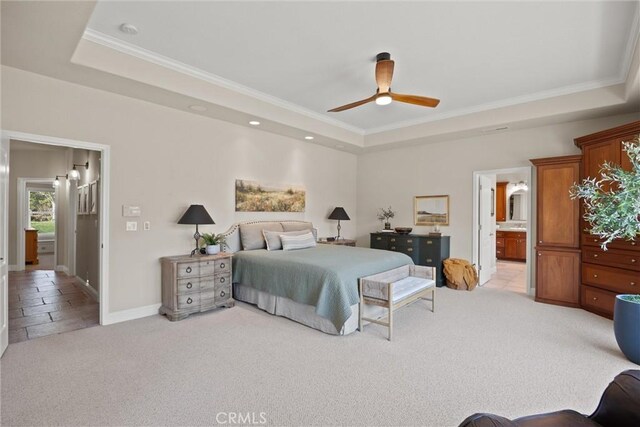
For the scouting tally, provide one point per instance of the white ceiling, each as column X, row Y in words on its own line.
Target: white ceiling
column 317, row 55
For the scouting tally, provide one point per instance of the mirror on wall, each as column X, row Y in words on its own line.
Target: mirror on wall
column 518, row 206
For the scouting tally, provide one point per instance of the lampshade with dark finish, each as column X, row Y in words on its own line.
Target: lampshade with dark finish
column 196, row 214
column 339, row 214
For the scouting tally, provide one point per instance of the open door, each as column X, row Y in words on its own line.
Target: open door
column 4, row 246
column 485, row 230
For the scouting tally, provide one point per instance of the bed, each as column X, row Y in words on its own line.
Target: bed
column 317, row 286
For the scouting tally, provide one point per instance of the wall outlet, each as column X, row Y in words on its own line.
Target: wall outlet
column 132, row 225
column 147, row 225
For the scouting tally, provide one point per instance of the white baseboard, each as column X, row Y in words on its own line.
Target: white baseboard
column 13, row 268
column 131, row 314
column 89, row 289
column 63, row 268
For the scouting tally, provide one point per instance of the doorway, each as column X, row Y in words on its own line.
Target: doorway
column 502, row 227
column 51, row 295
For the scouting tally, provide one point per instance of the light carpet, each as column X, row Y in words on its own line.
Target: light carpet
column 486, row 350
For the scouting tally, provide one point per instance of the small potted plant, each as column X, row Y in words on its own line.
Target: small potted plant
column 612, row 210
column 213, row 242
column 385, row 215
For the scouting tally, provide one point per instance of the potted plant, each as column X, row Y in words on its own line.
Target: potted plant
column 213, row 242
column 612, row 210
column 385, row 215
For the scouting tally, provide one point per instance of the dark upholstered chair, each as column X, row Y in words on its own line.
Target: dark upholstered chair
column 619, row 407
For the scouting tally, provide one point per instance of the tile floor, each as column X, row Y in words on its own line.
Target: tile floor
column 45, row 302
column 510, row 276
column 45, row 262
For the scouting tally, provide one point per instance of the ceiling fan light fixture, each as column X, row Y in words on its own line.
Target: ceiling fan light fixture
column 383, row 99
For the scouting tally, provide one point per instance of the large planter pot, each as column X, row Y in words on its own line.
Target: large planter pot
column 626, row 324
column 213, row 249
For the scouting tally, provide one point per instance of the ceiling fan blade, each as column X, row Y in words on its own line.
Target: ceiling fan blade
column 353, row 105
column 416, row 100
column 384, row 74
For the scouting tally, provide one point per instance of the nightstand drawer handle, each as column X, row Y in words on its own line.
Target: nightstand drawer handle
column 222, row 293
column 188, row 270
column 189, row 285
column 222, row 280
column 222, row 265
column 189, row 300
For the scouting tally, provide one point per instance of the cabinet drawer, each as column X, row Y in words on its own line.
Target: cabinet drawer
column 222, row 294
column 189, row 269
column 499, row 252
column 591, row 240
column 222, row 279
column 189, row 301
column 403, row 240
column 611, row 279
column 622, row 259
column 222, row 265
column 186, row 286
column 409, row 250
column 500, row 242
column 599, row 300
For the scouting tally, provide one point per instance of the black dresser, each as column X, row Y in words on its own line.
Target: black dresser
column 423, row 249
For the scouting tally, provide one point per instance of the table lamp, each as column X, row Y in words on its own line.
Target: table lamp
column 339, row 214
column 196, row 214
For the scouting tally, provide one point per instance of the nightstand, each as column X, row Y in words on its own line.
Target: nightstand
column 341, row 242
column 195, row 284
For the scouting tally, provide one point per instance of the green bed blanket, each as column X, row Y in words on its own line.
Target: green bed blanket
column 325, row 276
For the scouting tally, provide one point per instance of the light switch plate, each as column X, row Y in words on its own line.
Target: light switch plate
column 132, row 226
column 131, row 211
column 147, row 225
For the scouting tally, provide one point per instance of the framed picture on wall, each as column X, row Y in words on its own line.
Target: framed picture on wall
column 79, row 204
column 93, row 197
column 431, row 210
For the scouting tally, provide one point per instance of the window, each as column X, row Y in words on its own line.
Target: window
column 42, row 213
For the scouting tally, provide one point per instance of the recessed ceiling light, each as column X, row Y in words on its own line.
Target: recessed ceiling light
column 308, row 137
column 197, row 108
column 129, row 29
column 254, row 123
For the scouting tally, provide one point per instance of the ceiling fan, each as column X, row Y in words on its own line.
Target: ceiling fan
column 383, row 95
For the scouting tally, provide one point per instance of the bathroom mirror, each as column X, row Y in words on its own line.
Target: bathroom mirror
column 518, row 206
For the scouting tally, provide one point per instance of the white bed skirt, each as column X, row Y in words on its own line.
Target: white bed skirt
column 301, row 313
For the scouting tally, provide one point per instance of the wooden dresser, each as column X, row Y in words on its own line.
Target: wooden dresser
column 558, row 233
column 31, row 246
column 423, row 249
column 195, row 284
column 606, row 274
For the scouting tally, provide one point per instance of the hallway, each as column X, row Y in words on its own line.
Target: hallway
column 46, row 302
column 510, row 276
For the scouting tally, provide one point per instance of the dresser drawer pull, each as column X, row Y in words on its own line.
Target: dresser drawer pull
column 633, row 243
column 222, row 294
column 429, row 242
column 222, row 280
column 393, row 240
column 632, row 283
column 595, row 298
column 429, row 260
column 409, row 249
column 188, row 270
column 595, row 276
column 410, row 241
column 189, row 285
column 539, row 241
column 378, row 238
column 595, row 255
column 393, row 248
column 222, row 265
column 633, row 260
column 189, row 300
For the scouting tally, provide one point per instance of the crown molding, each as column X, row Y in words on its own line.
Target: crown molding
column 163, row 61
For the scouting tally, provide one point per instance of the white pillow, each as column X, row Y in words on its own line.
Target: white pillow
column 273, row 238
column 302, row 241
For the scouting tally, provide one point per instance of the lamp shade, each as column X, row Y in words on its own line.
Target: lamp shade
column 340, row 214
column 196, row 214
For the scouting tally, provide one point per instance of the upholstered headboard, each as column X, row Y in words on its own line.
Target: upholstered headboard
column 232, row 235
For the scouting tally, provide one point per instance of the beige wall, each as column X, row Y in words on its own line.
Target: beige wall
column 34, row 163
column 163, row 160
column 394, row 177
column 87, row 265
